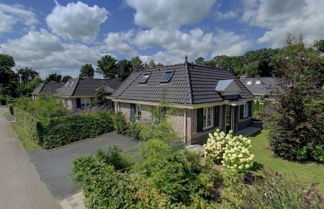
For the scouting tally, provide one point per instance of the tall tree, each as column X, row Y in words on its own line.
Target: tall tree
column 137, row 64
column 8, row 78
column 54, row 77
column 200, row 60
column 87, row 71
column 66, row 78
column 297, row 128
column 124, row 69
column 107, row 66
column 27, row 74
column 319, row 45
column 26, row 88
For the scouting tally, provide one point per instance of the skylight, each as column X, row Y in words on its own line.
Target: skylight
column 167, row 77
column 257, row 82
column 144, row 78
column 249, row 83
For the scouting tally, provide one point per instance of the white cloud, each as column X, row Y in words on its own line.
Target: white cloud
column 223, row 16
column 194, row 43
column 77, row 21
column 45, row 52
column 283, row 17
column 13, row 14
column 120, row 43
column 169, row 13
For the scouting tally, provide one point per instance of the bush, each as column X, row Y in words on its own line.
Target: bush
column 272, row 191
column 232, row 151
column 120, row 124
column 30, row 124
column 11, row 109
column 64, row 130
column 112, row 156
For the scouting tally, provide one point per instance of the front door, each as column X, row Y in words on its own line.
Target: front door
column 229, row 112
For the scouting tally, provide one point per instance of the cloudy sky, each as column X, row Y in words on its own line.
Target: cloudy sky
column 60, row 36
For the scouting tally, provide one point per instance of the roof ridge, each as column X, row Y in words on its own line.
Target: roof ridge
column 78, row 79
column 189, row 82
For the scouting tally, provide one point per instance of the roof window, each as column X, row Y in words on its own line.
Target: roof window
column 249, row 83
column 144, row 78
column 257, row 82
column 167, row 77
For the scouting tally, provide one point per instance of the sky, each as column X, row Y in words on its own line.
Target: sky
column 60, row 36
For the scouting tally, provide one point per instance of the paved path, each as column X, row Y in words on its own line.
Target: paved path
column 20, row 185
column 54, row 165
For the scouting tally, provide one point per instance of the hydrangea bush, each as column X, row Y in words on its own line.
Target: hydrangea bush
column 233, row 152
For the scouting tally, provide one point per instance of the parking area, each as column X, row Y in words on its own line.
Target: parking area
column 54, row 166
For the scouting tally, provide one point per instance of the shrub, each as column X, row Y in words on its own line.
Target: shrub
column 215, row 146
column 237, row 156
column 64, row 130
column 120, row 124
column 272, row 191
column 112, row 156
column 11, row 109
column 30, row 124
column 231, row 151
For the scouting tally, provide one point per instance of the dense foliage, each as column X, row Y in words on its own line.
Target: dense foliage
column 48, row 124
column 87, row 71
column 270, row 191
column 233, row 152
column 297, row 128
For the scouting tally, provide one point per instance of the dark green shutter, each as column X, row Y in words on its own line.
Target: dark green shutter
column 216, row 116
column 132, row 112
column 250, row 108
column 200, row 120
column 78, row 103
column 241, row 111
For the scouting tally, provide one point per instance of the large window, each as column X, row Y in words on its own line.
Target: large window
column 85, row 102
column 207, row 118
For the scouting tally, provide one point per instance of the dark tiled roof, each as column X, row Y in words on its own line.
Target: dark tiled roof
column 86, row 86
column 267, row 86
column 47, row 88
column 190, row 84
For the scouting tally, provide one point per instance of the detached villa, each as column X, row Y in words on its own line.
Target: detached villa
column 206, row 99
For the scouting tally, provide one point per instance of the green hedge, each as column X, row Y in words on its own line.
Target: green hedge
column 30, row 124
column 68, row 129
column 64, row 130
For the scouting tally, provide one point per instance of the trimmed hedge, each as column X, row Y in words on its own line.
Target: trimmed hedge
column 64, row 130
column 68, row 129
column 30, row 124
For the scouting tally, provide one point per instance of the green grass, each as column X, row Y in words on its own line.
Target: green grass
column 295, row 171
column 6, row 114
column 27, row 143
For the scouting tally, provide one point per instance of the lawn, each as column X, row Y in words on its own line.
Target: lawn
column 302, row 172
column 25, row 140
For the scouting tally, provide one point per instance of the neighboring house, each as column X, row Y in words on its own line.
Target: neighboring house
column 263, row 88
column 79, row 93
column 46, row 88
column 206, row 99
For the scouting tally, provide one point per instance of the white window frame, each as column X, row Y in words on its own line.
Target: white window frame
column 85, row 102
column 246, row 110
column 208, row 111
column 249, row 83
column 257, row 82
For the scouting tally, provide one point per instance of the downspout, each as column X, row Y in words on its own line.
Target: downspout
column 185, row 126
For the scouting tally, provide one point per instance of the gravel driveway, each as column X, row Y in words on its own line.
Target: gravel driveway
column 54, row 166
